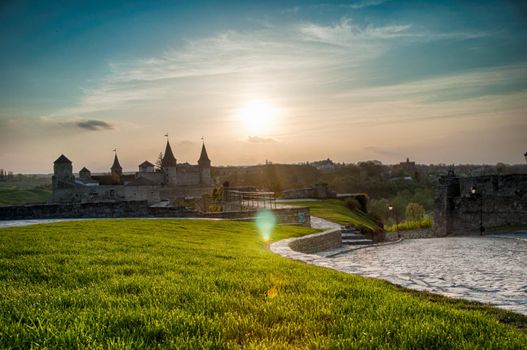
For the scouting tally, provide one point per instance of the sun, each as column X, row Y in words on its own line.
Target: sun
column 258, row 116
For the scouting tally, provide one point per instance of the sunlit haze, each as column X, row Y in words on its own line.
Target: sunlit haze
column 259, row 117
column 285, row 81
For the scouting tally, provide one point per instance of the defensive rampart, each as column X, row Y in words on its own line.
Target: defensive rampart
column 465, row 204
column 127, row 209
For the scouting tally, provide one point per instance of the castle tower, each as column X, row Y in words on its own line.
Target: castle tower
column 204, row 166
column 117, row 170
column 445, row 203
column 84, row 173
column 168, row 164
column 62, row 173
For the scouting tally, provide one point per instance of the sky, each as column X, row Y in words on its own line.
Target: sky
column 285, row 81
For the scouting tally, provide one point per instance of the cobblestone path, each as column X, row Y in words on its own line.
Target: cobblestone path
column 490, row 269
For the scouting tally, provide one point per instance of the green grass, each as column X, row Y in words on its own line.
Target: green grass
column 211, row 284
column 335, row 210
column 16, row 196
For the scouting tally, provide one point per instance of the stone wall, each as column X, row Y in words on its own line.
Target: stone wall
column 180, row 192
column 318, row 242
column 77, row 210
column 499, row 201
column 188, row 177
column 409, row 234
column 95, row 194
column 287, row 216
column 316, row 191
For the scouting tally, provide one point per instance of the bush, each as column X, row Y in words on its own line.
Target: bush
column 362, row 199
column 379, row 208
column 352, row 204
column 425, row 222
column 414, row 212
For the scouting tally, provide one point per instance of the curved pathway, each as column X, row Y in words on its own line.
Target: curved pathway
column 490, row 269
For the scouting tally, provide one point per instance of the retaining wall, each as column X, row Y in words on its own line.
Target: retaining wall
column 317, row 242
column 410, row 234
column 302, row 248
column 125, row 209
column 288, row 216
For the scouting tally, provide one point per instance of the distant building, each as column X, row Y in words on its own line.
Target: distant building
column 408, row 167
column 172, row 181
column 326, row 165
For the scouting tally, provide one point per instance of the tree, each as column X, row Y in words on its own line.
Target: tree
column 159, row 161
column 414, row 212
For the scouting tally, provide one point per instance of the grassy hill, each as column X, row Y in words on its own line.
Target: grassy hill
column 335, row 210
column 211, row 284
column 23, row 189
column 16, row 196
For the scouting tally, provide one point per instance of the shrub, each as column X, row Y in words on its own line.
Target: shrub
column 425, row 222
column 414, row 212
column 352, row 204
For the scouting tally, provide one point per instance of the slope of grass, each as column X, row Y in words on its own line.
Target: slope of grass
column 335, row 210
column 17, row 196
column 210, row 284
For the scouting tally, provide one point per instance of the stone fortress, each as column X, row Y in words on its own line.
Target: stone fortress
column 465, row 204
column 171, row 181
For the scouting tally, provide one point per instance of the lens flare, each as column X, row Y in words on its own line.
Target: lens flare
column 265, row 221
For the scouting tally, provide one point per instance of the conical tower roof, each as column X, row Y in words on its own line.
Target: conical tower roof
column 204, row 157
column 116, row 165
column 62, row 159
column 168, row 158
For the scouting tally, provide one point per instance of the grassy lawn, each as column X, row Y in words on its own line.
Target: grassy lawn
column 336, row 211
column 211, row 284
column 16, row 196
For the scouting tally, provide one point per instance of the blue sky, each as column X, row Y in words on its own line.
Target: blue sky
column 368, row 79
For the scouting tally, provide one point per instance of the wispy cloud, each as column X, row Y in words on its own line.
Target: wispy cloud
column 311, row 69
column 258, row 139
column 364, row 4
column 347, row 33
column 94, row 125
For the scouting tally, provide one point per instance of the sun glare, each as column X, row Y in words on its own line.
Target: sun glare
column 258, row 116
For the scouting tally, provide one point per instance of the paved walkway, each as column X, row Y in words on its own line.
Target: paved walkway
column 320, row 223
column 17, row 223
column 490, row 269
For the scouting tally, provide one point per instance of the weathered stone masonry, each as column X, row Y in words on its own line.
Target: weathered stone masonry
column 129, row 209
column 498, row 201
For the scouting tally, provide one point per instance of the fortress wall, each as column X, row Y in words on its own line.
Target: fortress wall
column 171, row 193
column 87, row 194
column 90, row 194
column 77, row 210
column 152, row 176
column 190, row 178
column 288, row 216
column 495, row 211
column 141, row 193
column 500, row 200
